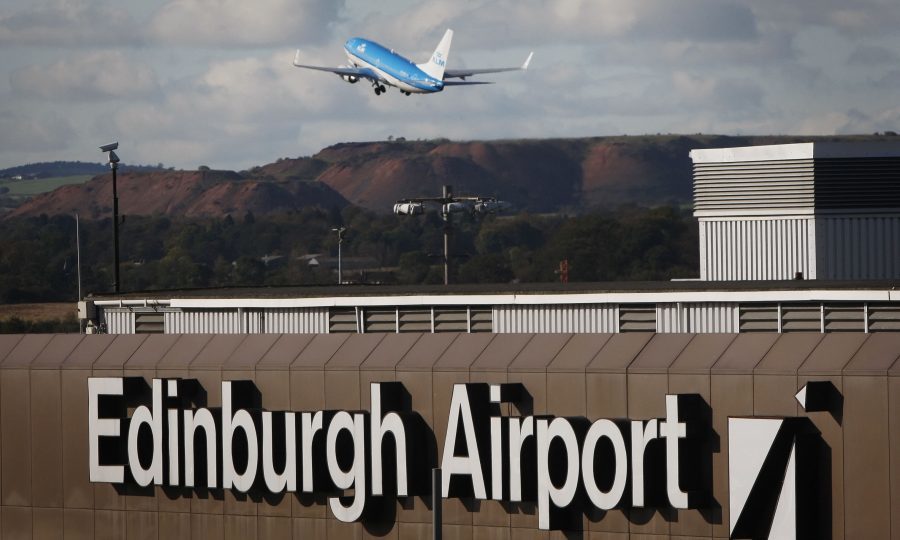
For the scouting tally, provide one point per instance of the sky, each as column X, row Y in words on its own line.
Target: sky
column 188, row 83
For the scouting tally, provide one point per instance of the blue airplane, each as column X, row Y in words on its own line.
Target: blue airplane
column 380, row 66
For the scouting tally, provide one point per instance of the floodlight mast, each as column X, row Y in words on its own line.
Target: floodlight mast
column 448, row 204
column 114, row 165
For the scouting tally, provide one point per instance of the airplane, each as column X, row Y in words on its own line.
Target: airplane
column 383, row 66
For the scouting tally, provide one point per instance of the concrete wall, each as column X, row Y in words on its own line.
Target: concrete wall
column 45, row 492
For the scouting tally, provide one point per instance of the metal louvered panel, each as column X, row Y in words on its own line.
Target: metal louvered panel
column 756, row 249
column 414, row 320
column 451, row 319
column 556, row 318
column 859, row 247
column 758, row 318
column 481, row 319
column 883, row 317
column 204, row 321
column 379, row 320
column 296, row 321
column 858, row 183
column 801, row 318
column 118, row 320
column 637, row 318
column 844, row 317
column 342, row 320
column 759, row 185
column 150, row 322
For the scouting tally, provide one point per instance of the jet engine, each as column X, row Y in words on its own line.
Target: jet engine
column 352, row 79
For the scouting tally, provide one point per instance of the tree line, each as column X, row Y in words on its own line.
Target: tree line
column 38, row 255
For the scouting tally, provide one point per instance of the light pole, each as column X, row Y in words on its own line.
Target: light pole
column 448, row 204
column 445, row 215
column 78, row 254
column 114, row 164
column 340, row 232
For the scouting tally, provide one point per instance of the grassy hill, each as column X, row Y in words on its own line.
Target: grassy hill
column 35, row 186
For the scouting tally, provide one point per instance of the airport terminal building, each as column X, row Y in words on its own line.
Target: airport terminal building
column 759, row 401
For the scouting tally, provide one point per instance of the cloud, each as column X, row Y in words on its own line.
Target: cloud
column 853, row 121
column 694, row 20
column 241, row 23
column 236, row 113
column 889, row 81
column 86, row 77
column 502, row 23
column 729, row 98
column 29, row 133
column 530, row 23
column 861, row 18
column 873, row 55
column 69, row 23
column 191, row 82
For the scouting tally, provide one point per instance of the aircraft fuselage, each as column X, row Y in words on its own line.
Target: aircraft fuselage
column 393, row 68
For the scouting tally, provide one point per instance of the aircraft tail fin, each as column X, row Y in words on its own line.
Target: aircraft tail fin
column 435, row 66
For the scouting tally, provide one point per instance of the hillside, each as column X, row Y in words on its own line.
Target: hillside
column 181, row 193
column 537, row 175
column 67, row 168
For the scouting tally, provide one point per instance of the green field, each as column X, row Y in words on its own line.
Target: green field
column 27, row 188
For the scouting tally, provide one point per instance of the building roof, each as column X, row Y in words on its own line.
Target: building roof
column 637, row 295
column 799, row 151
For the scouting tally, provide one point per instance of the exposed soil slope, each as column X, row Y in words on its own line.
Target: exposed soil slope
column 534, row 175
column 182, row 193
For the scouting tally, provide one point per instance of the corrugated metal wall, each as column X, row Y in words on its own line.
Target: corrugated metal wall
column 699, row 318
column 682, row 317
column 207, row 321
column 118, row 320
column 859, row 247
column 763, row 249
column 556, row 318
column 296, row 321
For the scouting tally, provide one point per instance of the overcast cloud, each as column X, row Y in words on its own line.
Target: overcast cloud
column 210, row 82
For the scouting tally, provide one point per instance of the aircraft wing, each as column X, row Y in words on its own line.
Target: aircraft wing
column 463, row 73
column 351, row 71
column 465, row 83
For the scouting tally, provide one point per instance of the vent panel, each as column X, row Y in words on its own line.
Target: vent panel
column 415, row 320
column 637, row 318
column 884, row 318
column 451, row 319
column 845, row 318
column 342, row 320
column 149, row 323
column 801, row 318
column 758, row 318
column 482, row 319
column 380, row 320
column 753, row 185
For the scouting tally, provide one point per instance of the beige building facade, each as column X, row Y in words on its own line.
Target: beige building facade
column 45, row 433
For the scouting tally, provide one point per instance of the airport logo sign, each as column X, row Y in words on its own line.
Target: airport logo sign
column 778, row 474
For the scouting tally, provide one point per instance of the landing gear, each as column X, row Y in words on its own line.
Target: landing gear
column 379, row 89
column 405, row 93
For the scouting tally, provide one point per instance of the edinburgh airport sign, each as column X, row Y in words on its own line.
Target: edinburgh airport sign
column 563, row 465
